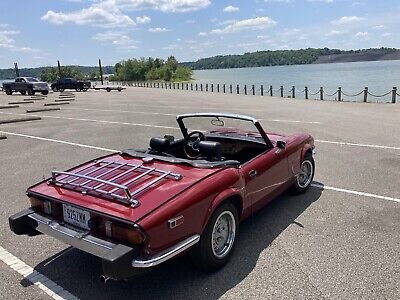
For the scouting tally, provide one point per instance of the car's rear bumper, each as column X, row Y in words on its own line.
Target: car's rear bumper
column 119, row 261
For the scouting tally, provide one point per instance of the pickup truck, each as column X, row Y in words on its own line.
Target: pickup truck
column 70, row 83
column 25, row 85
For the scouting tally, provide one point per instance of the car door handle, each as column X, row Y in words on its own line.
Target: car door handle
column 253, row 173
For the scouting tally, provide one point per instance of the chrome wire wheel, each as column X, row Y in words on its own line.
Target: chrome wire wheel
column 223, row 234
column 306, row 173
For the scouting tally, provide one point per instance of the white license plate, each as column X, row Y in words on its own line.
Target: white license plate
column 76, row 216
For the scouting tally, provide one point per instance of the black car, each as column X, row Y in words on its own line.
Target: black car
column 71, row 84
column 25, row 85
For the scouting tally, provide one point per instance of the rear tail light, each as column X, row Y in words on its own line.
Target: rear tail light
column 41, row 205
column 125, row 233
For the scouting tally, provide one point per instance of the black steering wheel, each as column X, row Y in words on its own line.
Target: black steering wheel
column 190, row 146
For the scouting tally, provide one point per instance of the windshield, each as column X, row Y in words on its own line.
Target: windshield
column 31, row 79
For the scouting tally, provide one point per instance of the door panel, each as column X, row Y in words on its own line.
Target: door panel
column 265, row 176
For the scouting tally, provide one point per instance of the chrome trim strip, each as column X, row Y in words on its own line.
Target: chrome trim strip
column 166, row 254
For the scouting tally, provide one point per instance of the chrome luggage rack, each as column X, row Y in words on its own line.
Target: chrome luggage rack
column 90, row 180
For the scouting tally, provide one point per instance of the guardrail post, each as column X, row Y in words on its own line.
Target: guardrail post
column 212, row 87
column 394, row 93
column 237, row 89
column 217, row 87
column 245, row 89
column 306, row 92
column 206, row 87
column 293, row 92
column 321, row 93
column 271, row 92
column 282, row 91
column 339, row 92
column 365, row 94
column 230, row 88
column 262, row 90
column 253, row 88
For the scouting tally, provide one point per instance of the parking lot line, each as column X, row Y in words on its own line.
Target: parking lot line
column 359, row 145
column 112, row 150
column 42, row 282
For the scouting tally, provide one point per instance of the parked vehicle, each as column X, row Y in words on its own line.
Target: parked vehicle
column 70, row 84
column 138, row 208
column 25, row 85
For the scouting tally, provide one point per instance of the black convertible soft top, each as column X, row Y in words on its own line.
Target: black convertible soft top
column 197, row 163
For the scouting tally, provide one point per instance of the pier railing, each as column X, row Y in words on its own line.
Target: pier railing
column 319, row 94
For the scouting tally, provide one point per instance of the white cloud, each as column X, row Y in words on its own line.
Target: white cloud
column 347, row 20
column 6, row 38
column 386, row 34
column 362, row 35
column 247, row 24
column 202, row 33
column 278, row 1
column 143, row 20
column 28, row 50
column 158, row 29
column 325, row 1
column 120, row 39
column 230, row 8
column 335, row 32
column 379, row 27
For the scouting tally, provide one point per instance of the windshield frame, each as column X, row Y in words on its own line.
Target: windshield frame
column 256, row 123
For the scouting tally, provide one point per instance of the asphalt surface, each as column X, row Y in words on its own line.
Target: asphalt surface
column 337, row 243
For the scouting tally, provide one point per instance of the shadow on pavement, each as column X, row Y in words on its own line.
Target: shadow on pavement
column 79, row 272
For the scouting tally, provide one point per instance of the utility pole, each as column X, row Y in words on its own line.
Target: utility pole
column 101, row 72
column 16, row 70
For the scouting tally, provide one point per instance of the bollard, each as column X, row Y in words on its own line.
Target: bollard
column 170, row 85
column 224, row 88
column 306, row 92
column 201, row 87
column 262, row 90
column 237, row 89
column 252, row 87
column 282, row 91
column 394, row 93
column 217, row 87
column 271, row 92
column 245, row 89
column 191, row 86
column 339, row 93
column 187, row 86
column 293, row 92
column 206, row 87
column 365, row 94
column 321, row 93
column 230, row 88
column 212, row 87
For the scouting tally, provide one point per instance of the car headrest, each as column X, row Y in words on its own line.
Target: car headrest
column 210, row 149
column 159, row 144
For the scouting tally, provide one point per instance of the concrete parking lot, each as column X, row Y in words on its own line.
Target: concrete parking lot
column 338, row 241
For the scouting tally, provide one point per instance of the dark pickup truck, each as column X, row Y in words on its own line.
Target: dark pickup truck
column 25, row 85
column 71, row 84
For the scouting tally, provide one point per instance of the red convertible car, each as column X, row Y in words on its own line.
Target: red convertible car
column 138, row 208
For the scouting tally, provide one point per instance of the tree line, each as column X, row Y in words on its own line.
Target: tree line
column 276, row 58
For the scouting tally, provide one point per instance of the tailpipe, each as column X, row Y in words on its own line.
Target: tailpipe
column 104, row 279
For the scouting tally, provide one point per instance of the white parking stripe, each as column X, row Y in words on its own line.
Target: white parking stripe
column 121, row 111
column 42, row 282
column 325, row 187
column 294, row 121
column 359, row 145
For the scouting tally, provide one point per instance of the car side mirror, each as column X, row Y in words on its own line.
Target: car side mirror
column 281, row 144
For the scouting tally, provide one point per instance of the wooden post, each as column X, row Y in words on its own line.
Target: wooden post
column 339, row 93
column 224, row 88
column 101, row 72
column 282, row 91
column 196, row 87
column 59, row 69
column 187, row 86
column 394, row 93
column 366, row 94
column 271, row 92
column 217, row 87
column 206, row 87
column 262, row 90
column 170, row 85
column 201, row 87
column 306, row 92
column 230, row 88
column 245, row 89
column 253, row 88
column 237, row 89
column 293, row 92
column 321, row 93
column 212, row 87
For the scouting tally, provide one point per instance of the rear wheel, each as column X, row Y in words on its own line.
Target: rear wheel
column 45, row 92
column 9, row 92
column 78, row 89
column 23, row 92
column 108, row 89
column 218, row 239
column 31, row 92
column 306, row 175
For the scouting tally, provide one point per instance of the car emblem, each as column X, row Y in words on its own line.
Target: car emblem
column 175, row 222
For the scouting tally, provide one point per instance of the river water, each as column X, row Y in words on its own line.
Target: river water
column 379, row 76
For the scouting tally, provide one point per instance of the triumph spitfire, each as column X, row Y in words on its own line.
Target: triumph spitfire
column 139, row 208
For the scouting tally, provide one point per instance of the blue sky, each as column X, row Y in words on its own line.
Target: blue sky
column 38, row 32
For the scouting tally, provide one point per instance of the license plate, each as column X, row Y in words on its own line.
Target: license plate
column 76, row 216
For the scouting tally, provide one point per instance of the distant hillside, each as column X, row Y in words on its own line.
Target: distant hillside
column 35, row 72
column 293, row 57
